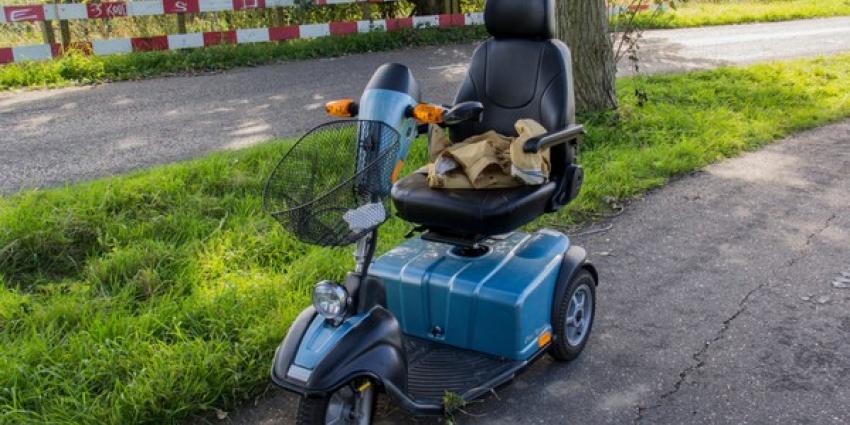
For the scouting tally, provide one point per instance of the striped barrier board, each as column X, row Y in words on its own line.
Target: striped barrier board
column 119, row 9
column 240, row 36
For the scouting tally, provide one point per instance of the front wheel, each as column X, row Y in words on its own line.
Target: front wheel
column 574, row 317
column 353, row 404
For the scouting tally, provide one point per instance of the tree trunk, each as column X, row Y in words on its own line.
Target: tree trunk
column 583, row 25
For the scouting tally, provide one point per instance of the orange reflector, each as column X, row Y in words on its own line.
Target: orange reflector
column 341, row 108
column 544, row 339
column 429, row 113
column 397, row 170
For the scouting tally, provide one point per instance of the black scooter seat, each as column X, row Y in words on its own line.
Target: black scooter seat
column 466, row 211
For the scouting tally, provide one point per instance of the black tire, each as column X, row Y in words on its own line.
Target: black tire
column 313, row 410
column 562, row 349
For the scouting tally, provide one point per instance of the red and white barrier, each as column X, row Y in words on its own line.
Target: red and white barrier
column 118, row 9
column 28, row 53
column 240, row 36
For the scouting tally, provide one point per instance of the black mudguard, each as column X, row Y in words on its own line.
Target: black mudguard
column 574, row 260
column 373, row 348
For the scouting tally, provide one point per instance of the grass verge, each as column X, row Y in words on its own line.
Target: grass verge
column 156, row 296
column 77, row 68
column 701, row 13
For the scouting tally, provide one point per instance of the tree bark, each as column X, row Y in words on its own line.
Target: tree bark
column 583, row 25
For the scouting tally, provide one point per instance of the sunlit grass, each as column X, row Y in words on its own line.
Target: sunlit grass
column 703, row 13
column 156, row 296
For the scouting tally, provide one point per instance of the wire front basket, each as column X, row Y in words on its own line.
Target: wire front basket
column 332, row 187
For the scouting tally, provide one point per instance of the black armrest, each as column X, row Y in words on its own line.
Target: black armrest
column 537, row 144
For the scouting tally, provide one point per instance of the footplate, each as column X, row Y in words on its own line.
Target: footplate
column 434, row 369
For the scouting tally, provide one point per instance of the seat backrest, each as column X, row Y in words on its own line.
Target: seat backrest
column 521, row 72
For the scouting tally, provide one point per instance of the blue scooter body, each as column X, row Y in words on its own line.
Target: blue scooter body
column 499, row 303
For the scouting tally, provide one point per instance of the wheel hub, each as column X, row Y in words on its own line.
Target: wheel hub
column 348, row 406
column 579, row 314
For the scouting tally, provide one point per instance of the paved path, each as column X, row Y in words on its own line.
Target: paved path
column 716, row 305
column 50, row 137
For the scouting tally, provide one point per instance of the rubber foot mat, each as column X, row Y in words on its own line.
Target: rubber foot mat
column 434, row 369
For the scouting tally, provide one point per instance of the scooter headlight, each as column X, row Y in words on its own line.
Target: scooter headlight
column 331, row 300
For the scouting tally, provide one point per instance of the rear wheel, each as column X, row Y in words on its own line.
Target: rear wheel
column 350, row 405
column 573, row 320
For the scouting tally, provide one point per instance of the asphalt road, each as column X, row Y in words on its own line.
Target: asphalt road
column 51, row 137
column 716, row 305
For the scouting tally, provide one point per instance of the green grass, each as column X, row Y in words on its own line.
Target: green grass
column 160, row 295
column 77, row 68
column 702, row 13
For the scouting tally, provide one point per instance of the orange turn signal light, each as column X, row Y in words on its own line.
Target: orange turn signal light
column 544, row 339
column 397, row 171
column 341, row 108
column 428, row 113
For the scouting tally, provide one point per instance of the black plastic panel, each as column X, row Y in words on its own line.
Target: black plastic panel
column 395, row 77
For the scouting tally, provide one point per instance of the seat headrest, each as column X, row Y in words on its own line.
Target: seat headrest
column 520, row 18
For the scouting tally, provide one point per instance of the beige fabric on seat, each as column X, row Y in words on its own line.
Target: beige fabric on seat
column 487, row 161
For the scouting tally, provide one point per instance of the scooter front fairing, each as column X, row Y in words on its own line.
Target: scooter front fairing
column 318, row 357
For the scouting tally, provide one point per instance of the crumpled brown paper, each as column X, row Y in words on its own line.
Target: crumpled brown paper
column 487, row 161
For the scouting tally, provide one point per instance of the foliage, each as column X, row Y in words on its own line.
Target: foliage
column 77, row 68
column 627, row 23
column 156, row 296
column 452, row 404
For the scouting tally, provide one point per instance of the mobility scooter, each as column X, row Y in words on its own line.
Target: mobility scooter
column 467, row 301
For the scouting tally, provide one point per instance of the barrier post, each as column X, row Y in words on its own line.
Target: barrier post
column 181, row 23
column 47, row 32
column 64, row 27
column 278, row 16
column 366, row 9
